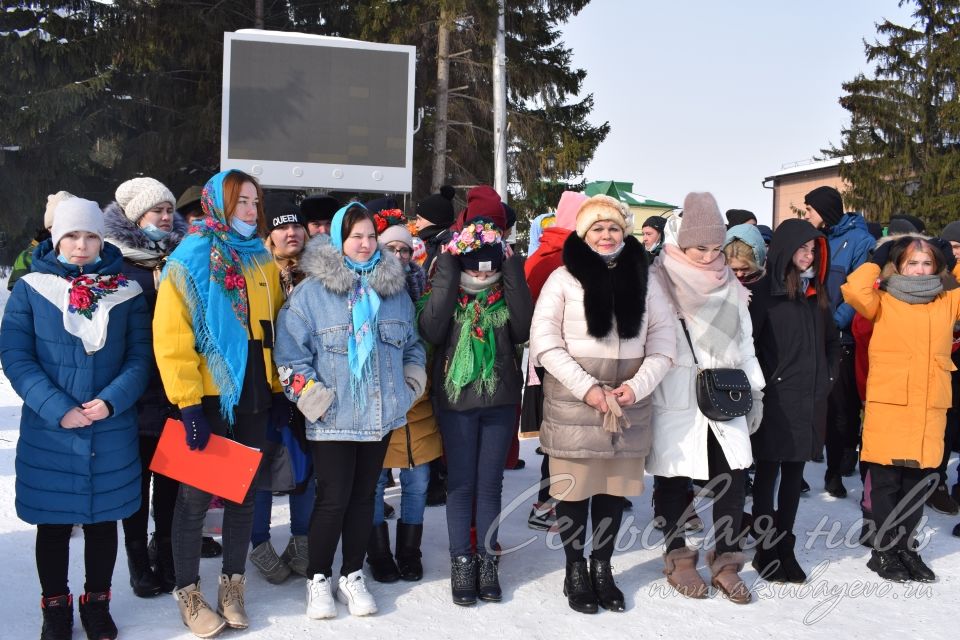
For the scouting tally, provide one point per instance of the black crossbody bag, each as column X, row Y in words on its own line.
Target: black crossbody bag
column 722, row 394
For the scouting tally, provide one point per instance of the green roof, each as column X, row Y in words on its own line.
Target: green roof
column 623, row 191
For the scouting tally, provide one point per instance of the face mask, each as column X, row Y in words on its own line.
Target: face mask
column 63, row 260
column 244, row 229
column 155, row 234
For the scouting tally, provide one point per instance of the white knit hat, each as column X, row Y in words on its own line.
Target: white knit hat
column 396, row 232
column 52, row 201
column 76, row 214
column 139, row 195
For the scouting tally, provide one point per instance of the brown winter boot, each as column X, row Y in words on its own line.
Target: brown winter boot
column 725, row 569
column 681, row 571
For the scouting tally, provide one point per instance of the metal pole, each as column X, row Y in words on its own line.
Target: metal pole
column 500, row 108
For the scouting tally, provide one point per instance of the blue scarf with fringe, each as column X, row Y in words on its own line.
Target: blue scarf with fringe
column 364, row 304
column 207, row 270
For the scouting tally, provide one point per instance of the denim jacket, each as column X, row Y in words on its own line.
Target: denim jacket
column 313, row 329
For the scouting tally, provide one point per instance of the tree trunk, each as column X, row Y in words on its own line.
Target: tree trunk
column 258, row 14
column 443, row 98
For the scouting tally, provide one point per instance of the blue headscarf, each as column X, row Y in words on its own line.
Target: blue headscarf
column 207, row 271
column 364, row 304
column 751, row 235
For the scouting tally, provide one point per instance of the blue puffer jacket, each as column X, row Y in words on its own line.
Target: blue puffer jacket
column 850, row 245
column 90, row 474
column 313, row 329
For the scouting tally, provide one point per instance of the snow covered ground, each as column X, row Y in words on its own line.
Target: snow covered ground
column 842, row 599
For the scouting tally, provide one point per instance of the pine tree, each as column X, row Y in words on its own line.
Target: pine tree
column 904, row 134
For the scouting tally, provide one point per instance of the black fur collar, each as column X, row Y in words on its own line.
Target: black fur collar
column 618, row 291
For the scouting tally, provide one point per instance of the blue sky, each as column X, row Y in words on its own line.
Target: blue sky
column 716, row 96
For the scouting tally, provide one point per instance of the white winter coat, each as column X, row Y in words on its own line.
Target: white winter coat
column 679, row 428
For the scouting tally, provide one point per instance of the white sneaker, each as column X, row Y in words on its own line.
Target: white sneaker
column 352, row 591
column 320, row 603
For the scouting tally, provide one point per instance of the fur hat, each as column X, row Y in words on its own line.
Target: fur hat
column 319, row 208
column 601, row 207
column 52, row 201
column 570, row 202
column 702, row 224
column 438, row 208
column 827, row 202
column 139, row 195
column 76, row 214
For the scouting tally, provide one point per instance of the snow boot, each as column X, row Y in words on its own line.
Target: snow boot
column 681, row 571
column 264, row 557
column 488, row 579
column 766, row 559
column 608, row 594
column 408, row 551
column 463, row 580
column 95, row 616
column 919, row 571
column 382, row 566
column 725, row 569
column 295, row 555
column 888, row 565
column 578, row 589
column 143, row 580
column 792, row 570
column 57, row 618
column 164, row 563
column 210, row 548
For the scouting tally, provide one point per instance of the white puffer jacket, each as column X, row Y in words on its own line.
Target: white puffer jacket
column 575, row 361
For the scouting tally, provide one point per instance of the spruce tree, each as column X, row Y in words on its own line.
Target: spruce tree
column 904, row 134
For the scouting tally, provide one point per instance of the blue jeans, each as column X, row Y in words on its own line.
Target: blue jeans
column 413, row 494
column 301, row 506
column 476, row 443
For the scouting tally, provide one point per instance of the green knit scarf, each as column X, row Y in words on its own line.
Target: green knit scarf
column 475, row 356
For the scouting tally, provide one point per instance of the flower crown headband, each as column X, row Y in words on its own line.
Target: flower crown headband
column 388, row 217
column 473, row 236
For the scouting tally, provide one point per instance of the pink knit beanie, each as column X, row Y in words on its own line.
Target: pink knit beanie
column 702, row 224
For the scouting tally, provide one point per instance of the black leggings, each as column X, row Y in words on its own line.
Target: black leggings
column 164, row 498
column 788, row 497
column 53, row 556
column 606, row 514
column 672, row 500
column 347, row 474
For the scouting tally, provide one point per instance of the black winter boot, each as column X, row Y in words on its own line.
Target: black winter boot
column 792, row 570
column 608, row 594
column 766, row 560
column 143, row 580
column 463, row 579
column 919, row 571
column 95, row 616
column 210, row 548
column 382, row 566
column 57, row 618
column 408, row 551
column 578, row 588
column 888, row 565
column 164, row 564
column 488, row 579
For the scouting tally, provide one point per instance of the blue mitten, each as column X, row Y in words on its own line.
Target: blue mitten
column 197, row 426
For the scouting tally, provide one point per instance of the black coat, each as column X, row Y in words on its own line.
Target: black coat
column 798, row 347
column 438, row 327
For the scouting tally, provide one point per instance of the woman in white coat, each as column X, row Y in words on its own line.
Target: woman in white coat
column 686, row 444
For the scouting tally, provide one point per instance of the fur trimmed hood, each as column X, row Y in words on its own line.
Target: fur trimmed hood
column 617, row 290
column 321, row 260
column 126, row 234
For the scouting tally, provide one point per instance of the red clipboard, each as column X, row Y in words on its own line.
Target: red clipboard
column 224, row 468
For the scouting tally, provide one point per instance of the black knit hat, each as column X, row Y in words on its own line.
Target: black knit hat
column 739, row 216
column 438, row 208
column 655, row 222
column 319, row 208
column 382, row 204
column 280, row 210
column 489, row 257
column 913, row 221
column 951, row 232
column 827, row 202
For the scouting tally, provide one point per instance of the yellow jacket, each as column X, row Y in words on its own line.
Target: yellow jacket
column 418, row 441
column 183, row 370
column 908, row 384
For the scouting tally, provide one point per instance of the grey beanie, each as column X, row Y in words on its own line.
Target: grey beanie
column 702, row 223
column 951, row 232
column 76, row 214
